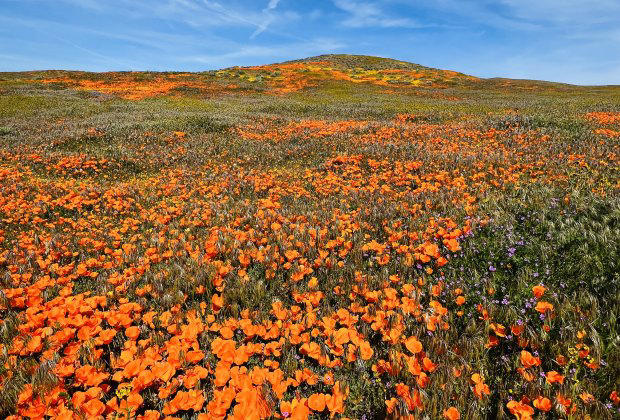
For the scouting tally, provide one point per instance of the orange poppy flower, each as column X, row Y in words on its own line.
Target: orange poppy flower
column 528, row 376
column 132, row 332
column 566, row 402
column 316, row 402
column 452, row 414
column 311, row 349
column 366, row 351
column 428, row 365
column 217, row 302
column 194, row 356
column 413, row 345
column 391, row 405
column 335, row 402
column 538, row 291
column 554, row 377
column 150, row 415
column 224, row 349
column 586, row 397
column 542, row 403
column 190, row 400
column 517, row 330
column 520, row 410
column 480, row 388
column 452, row 245
column 544, row 307
column 106, row 336
column 527, row 360
column 35, row 344
column 93, row 408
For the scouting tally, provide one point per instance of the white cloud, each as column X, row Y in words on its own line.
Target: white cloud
column 272, row 4
column 52, row 32
column 266, row 54
column 579, row 12
column 86, row 4
column 561, row 65
column 267, row 19
column 315, row 14
column 365, row 14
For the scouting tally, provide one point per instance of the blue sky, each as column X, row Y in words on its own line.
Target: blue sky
column 574, row 41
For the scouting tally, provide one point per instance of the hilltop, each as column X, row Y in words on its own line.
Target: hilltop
column 368, row 62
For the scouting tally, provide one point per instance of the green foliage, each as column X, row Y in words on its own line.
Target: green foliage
column 538, row 236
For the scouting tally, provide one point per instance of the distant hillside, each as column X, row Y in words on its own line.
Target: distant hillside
column 337, row 76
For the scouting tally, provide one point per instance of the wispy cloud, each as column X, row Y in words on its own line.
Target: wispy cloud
column 366, row 14
column 50, row 32
column 579, row 12
column 272, row 4
column 267, row 54
column 268, row 18
column 86, row 4
column 485, row 13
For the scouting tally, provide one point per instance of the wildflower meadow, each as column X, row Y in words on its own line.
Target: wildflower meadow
column 336, row 237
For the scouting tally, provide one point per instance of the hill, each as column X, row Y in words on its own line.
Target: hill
column 323, row 72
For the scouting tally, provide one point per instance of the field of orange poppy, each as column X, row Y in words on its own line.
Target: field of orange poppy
column 337, row 237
